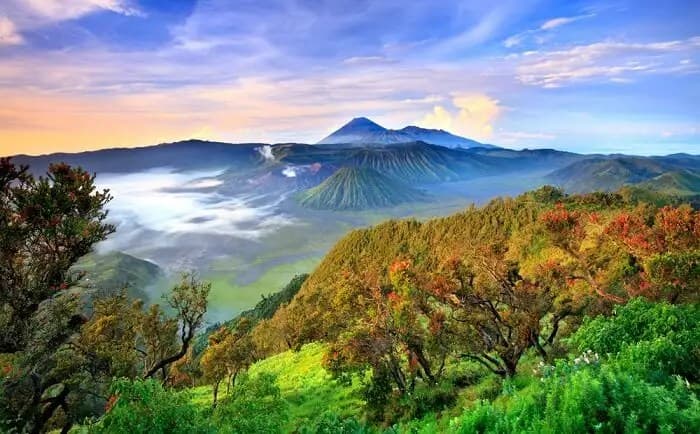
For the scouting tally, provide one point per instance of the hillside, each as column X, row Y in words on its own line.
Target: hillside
column 418, row 162
column 371, row 251
column 609, row 174
column 358, row 188
column 114, row 271
column 680, row 183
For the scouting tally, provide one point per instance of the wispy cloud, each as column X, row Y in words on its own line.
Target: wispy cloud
column 57, row 10
column 537, row 33
column 367, row 60
column 610, row 60
column 560, row 21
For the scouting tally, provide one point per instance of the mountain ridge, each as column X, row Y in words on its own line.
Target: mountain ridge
column 364, row 131
column 611, row 173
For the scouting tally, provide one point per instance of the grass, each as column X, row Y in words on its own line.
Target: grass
column 227, row 297
column 306, row 386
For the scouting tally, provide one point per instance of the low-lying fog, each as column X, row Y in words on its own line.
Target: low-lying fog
column 160, row 209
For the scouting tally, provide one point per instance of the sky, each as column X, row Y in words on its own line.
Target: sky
column 584, row 76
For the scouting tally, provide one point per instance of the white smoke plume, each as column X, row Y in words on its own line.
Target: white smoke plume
column 266, row 152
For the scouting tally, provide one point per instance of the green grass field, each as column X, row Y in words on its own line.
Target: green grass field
column 228, row 297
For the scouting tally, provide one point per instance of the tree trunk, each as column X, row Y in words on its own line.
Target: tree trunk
column 216, row 393
column 425, row 364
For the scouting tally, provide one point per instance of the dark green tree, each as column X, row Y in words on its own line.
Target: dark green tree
column 46, row 225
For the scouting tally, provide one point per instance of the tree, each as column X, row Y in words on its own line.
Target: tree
column 643, row 252
column 496, row 313
column 189, row 301
column 400, row 336
column 46, row 224
column 229, row 352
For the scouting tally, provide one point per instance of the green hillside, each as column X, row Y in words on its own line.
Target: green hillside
column 304, row 384
column 679, row 183
column 114, row 271
column 353, row 188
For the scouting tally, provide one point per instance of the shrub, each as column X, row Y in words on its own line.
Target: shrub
column 589, row 398
column 332, row 423
column 144, row 406
column 655, row 340
column 255, row 406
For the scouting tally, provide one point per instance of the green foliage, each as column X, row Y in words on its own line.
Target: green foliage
column 144, row 406
column 588, row 399
column 267, row 307
column 46, row 225
column 656, row 339
column 307, row 386
column 255, row 407
column 332, row 423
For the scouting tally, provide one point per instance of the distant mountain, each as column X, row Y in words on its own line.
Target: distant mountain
column 441, row 138
column 184, row 155
column 418, row 162
column 362, row 131
column 358, row 188
column 611, row 173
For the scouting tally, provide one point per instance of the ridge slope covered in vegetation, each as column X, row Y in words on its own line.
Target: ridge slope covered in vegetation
column 358, row 188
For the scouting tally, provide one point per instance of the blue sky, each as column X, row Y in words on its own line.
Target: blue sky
column 585, row 76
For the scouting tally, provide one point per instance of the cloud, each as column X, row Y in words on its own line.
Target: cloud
column 9, row 35
column 538, row 33
column 367, row 60
column 557, row 22
column 609, row 60
column 472, row 115
column 488, row 24
column 59, row 10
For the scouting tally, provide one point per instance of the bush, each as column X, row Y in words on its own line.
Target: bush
column 331, row 423
column 144, row 406
column 424, row 399
column 655, row 340
column 589, row 399
column 255, row 406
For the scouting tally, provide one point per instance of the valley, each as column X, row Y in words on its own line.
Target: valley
column 248, row 217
